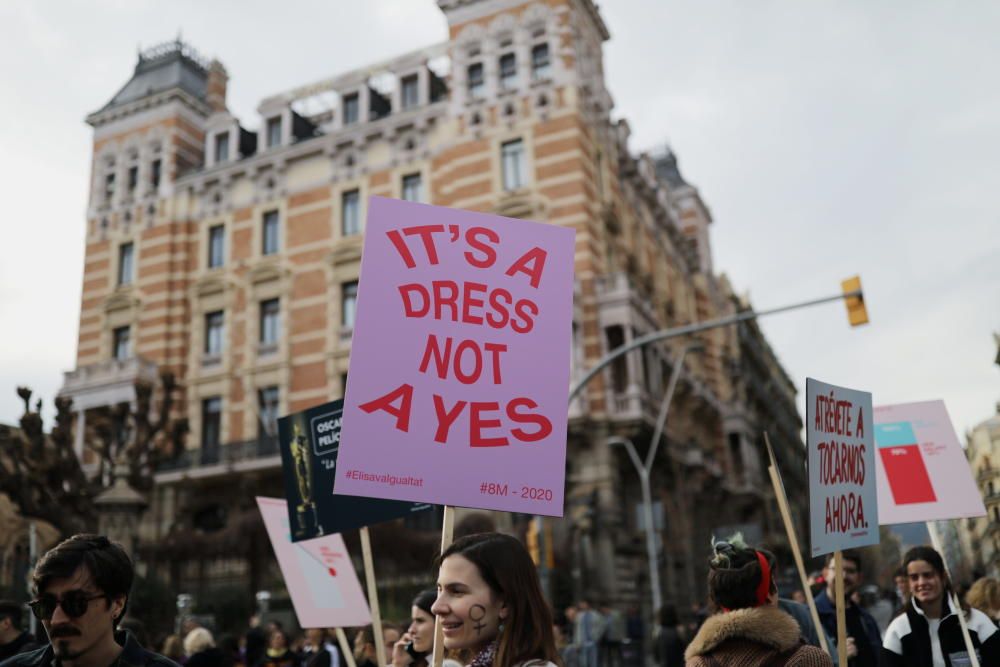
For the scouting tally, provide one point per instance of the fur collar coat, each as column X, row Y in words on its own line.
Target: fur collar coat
column 752, row 637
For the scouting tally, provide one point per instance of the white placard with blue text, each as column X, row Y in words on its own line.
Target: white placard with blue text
column 840, row 437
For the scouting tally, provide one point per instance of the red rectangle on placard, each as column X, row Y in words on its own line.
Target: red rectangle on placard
column 908, row 478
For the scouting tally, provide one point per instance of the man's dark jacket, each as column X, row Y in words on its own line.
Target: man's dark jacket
column 133, row 655
column 828, row 617
column 22, row 644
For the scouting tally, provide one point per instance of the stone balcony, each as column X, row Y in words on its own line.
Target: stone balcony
column 619, row 301
column 107, row 382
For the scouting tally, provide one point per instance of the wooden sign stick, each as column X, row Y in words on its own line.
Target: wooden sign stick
column 345, row 648
column 447, row 536
column 793, row 540
column 936, row 541
column 838, row 573
column 366, row 554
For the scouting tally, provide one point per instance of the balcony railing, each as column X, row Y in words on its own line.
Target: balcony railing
column 228, row 454
column 108, row 372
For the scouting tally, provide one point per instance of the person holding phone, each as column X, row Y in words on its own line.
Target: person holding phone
column 490, row 604
column 414, row 648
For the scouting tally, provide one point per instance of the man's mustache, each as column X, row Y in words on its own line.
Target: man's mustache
column 63, row 631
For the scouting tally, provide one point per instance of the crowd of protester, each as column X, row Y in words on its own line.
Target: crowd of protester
column 490, row 606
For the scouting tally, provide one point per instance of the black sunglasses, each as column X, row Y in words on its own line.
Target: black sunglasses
column 74, row 604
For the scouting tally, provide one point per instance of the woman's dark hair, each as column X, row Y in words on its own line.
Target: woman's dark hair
column 425, row 599
column 734, row 574
column 504, row 564
column 108, row 565
column 932, row 558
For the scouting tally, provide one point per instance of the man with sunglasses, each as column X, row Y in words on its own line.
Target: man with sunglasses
column 81, row 593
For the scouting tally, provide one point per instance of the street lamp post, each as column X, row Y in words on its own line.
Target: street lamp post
column 645, row 468
column 852, row 294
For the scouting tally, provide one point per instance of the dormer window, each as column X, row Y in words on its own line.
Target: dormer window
column 409, row 92
column 541, row 67
column 476, row 80
column 352, row 108
column 222, row 144
column 508, row 71
column 274, row 132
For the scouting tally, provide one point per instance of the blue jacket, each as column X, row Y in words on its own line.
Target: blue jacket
column 828, row 617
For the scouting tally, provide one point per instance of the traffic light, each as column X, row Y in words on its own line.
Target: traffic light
column 857, row 314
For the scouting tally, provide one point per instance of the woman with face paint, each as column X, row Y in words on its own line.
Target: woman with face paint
column 490, row 604
column 928, row 633
column 749, row 628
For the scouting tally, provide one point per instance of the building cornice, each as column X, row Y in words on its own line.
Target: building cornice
column 105, row 116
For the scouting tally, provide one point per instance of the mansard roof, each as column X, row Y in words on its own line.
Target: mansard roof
column 162, row 68
column 667, row 168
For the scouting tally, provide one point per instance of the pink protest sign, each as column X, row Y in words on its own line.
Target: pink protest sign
column 319, row 575
column 460, row 361
column 921, row 469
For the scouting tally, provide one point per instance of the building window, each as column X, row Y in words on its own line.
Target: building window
column 274, row 132
column 350, row 203
column 214, row 324
column 211, row 429
column 126, row 267
column 270, row 312
column 154, row 175
column 348, row 304
column 410, row 93
column 133, row 178
column 216, row 246
column 222, row 144
column 508, row 71
column 267, row 412
column 109, row 187
column 541, row 67
column 269, row 233
column 122, row 343
column 412, row 188
column 352, row 108
column 512, row 164
column 476, row 81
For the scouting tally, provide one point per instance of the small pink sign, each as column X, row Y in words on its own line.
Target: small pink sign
column 319, row 574
column 921, row 469
column 459, row 371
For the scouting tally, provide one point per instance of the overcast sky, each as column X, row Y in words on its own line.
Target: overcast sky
column 828, row 139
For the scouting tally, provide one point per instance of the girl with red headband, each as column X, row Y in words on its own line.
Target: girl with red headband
column 750, row 629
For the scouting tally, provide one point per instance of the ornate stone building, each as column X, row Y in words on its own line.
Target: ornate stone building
column 981, row 536
column 231, row 258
